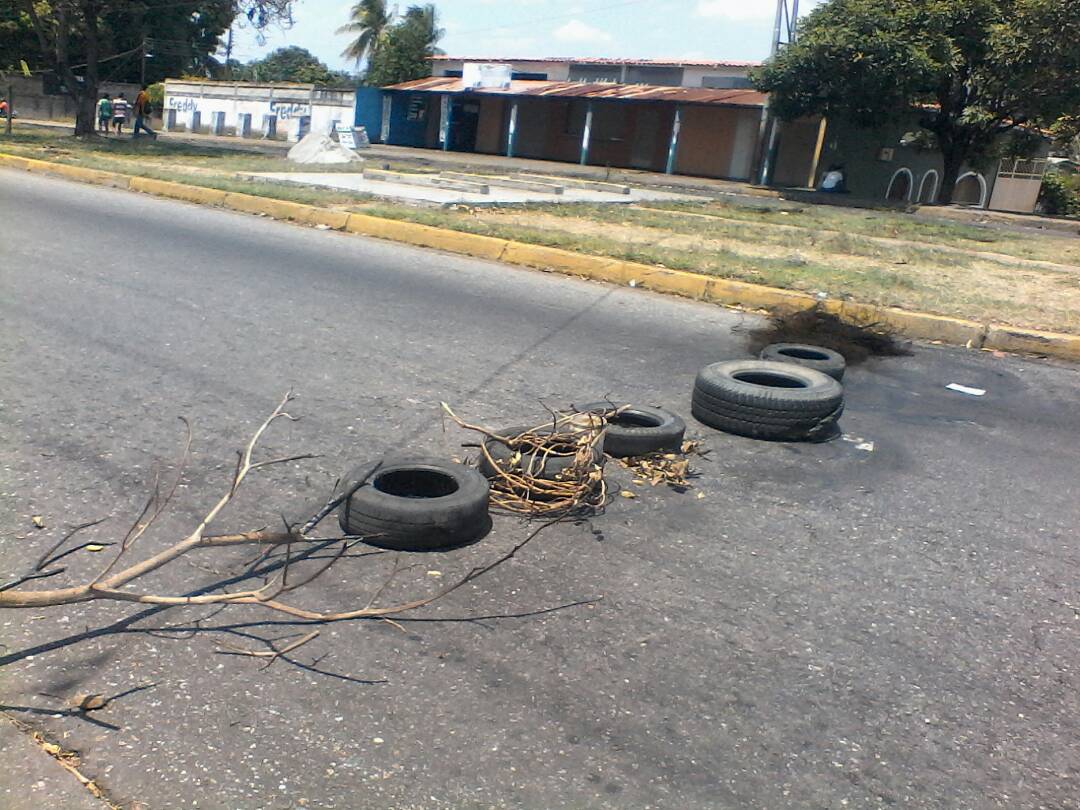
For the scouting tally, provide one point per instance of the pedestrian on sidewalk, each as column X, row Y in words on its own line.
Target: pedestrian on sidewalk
column 142, row 110
column 104, row 114
column 120, row 108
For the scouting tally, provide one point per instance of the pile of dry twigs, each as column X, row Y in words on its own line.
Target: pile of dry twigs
column 523, row 482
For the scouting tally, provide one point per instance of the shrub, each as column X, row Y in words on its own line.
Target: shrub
column 1060, row 195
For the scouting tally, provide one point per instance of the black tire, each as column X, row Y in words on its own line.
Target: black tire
column 766, row 400
column 416, row 504
column 639, row 430
column 801, row 354
column 547, row 468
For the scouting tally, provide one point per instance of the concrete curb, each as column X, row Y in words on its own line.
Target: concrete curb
column 917, row 325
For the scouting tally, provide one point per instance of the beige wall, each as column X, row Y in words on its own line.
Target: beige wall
column 707, row 140
column 795, row 155
column 492, row 125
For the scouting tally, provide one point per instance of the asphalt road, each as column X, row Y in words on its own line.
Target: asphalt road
column 827, row 626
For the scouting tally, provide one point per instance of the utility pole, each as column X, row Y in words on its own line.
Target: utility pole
column 142, row 63
column 228, row 55
column 784, row 33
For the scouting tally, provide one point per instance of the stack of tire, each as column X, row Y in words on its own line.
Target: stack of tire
column 793, row 393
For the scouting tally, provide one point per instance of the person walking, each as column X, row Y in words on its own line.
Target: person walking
column 142, row 110
column 120, row 108
column 104, row 114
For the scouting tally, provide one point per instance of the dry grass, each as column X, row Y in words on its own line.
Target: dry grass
column 882, row 257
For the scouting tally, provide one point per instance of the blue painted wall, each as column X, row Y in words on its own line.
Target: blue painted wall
column 369, row 111
column 414, row 132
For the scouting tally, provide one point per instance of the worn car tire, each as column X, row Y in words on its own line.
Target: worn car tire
column 818, row 358
column 767, row 400
column 639, row 430
column 416, row 504
column 547, row 468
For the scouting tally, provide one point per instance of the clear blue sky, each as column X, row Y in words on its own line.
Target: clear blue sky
column 691, row 29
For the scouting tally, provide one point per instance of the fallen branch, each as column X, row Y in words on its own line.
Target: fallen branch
column 520, row 484
column 113, row 584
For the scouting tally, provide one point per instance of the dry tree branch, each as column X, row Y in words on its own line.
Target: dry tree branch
column 112, row 585
column 522, row 486
column 140, row 526
column 47, row 558
column 273, row 653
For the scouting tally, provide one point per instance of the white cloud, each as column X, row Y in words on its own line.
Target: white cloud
column 736, row 9
column 577, row 31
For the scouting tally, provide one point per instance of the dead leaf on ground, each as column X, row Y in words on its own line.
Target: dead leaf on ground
column 38, row 520
column 664, row 467
column 89, row 702
column 94, row 547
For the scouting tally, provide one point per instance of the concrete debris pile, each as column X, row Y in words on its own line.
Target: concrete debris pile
column 316, row 147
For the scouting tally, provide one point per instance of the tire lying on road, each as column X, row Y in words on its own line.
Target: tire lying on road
column 766, row 400
column 801, row 354
column 416, row 504
column 547, row 466
column 637, row 430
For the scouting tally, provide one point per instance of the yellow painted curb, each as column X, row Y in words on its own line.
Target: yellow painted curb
column 178, row 191
column 566, row 261
column 331, row 219
column 918, row 325
column 79, row 173
column 15, row 162
column 278, row 209
column 923, row 326
column 1010, row 339
column 484, row 247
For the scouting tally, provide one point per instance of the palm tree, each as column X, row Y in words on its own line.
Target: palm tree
column 425, row 20
column 369, row 20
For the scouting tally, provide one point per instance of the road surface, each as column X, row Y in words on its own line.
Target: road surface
column 892, row 621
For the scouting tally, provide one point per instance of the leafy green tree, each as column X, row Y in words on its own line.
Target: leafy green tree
column 974, row 69
column 17, row 40
column 369, row 20
column 85, row 41
column 1066, row 134
column 292, row 64
column 407, row 48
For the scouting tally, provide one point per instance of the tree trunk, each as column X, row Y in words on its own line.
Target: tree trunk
column 86, row 98
column 54, row 44
column 953, row 156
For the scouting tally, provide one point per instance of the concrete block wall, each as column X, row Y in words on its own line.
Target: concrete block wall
column 292, row 106
column 31, row 100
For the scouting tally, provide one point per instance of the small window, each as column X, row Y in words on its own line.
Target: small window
column 727, row 82
column 417, row 109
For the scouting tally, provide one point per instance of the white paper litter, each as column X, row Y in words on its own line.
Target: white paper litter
column 964, row 389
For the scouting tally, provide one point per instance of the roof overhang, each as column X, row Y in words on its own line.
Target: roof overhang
column 590, row 90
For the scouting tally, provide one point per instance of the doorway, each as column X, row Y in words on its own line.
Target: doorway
column 464, row 123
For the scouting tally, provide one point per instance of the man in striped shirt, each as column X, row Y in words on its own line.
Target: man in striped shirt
column 120, row 109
